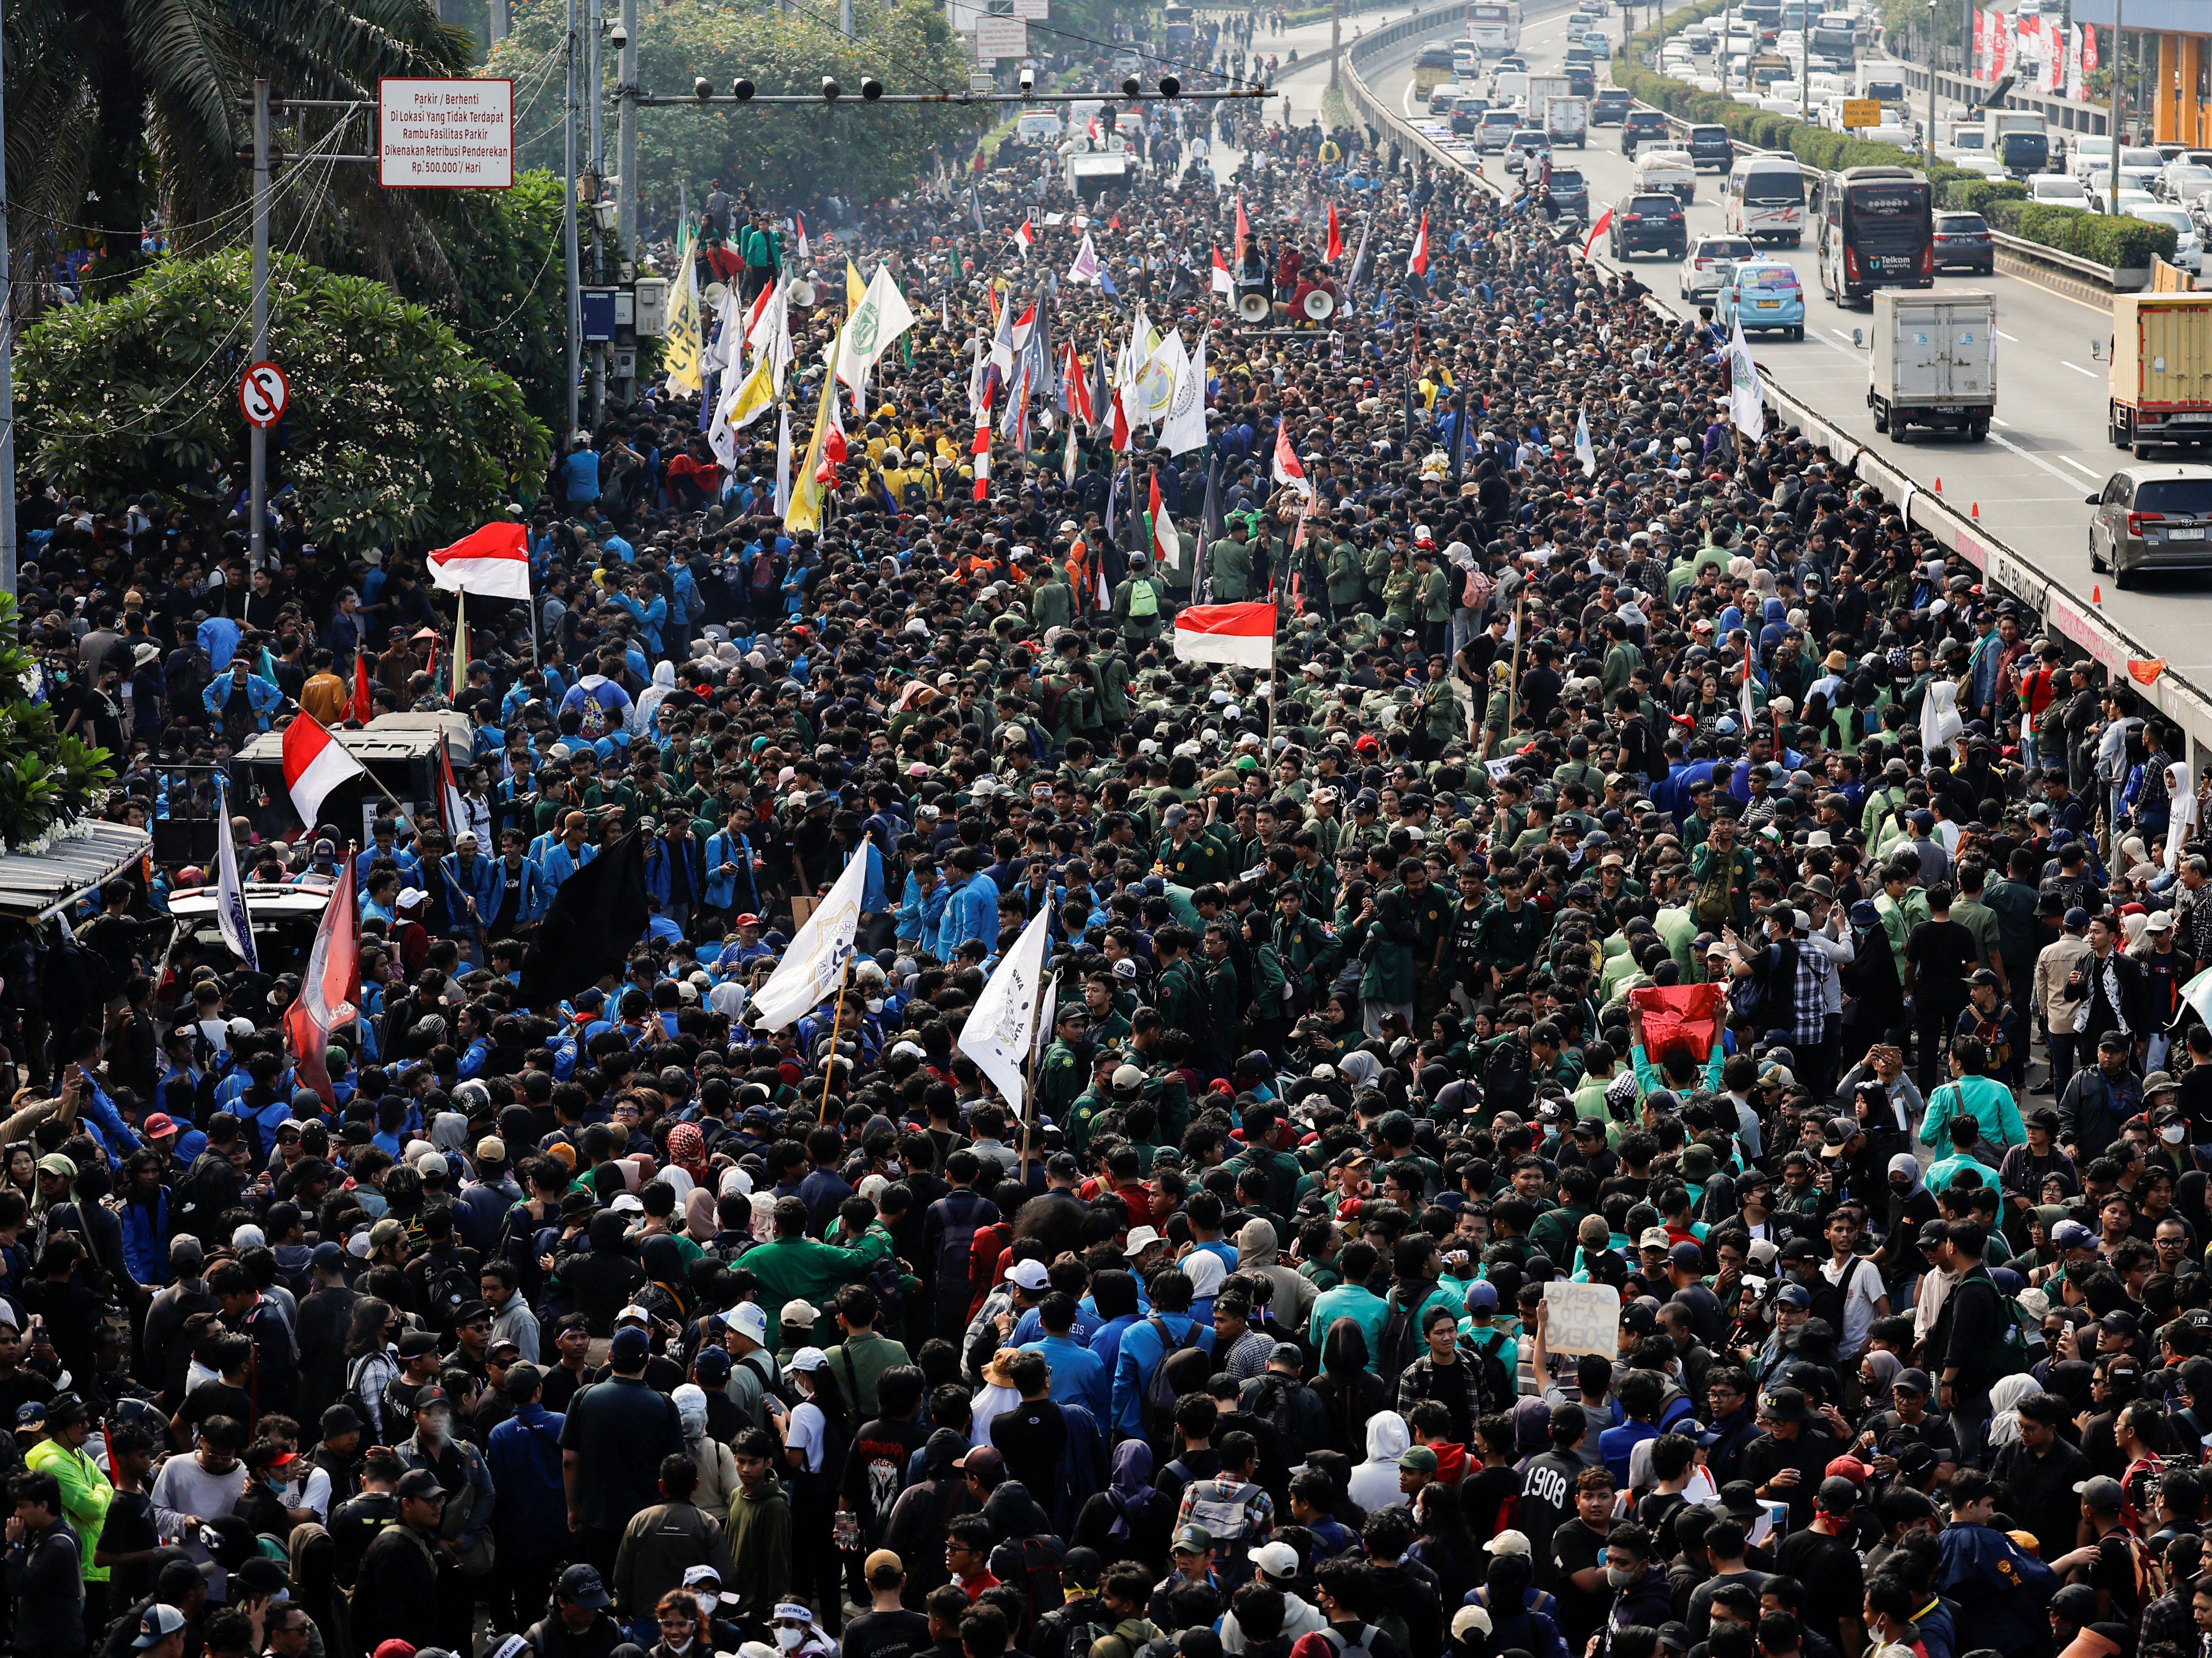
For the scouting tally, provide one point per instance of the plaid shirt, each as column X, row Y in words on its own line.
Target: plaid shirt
column 1808, row 992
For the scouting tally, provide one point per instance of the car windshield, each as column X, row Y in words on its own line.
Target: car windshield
column 1566, row 179
column 2165, row 216
column 1961, row 223
column 2175, row 497
column 1724, row 248
column 1653, row 204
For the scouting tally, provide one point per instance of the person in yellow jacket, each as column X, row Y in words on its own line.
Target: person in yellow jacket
column 86, row 1493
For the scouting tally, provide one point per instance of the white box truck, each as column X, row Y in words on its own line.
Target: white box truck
column 1541, row 89
column 1932, row 361
column 1566, row 121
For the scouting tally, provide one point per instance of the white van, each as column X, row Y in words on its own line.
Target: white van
column 1038, row 126
column 1509, row 85
column 1764, row 199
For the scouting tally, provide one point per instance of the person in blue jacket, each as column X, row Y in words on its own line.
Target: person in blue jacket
column 243, row 702
column 563, row 857
column 728, row 867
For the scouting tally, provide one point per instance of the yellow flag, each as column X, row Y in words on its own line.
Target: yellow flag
column 805, row 512
column 855, row 289
column 756, row 396
column 684, row 345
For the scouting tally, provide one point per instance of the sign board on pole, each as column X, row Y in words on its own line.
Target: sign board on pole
column 1000, row 37
column 1861, row 113
column 446, row 134
column 263, row 391
column 1033, row 11
column 1581, row 1318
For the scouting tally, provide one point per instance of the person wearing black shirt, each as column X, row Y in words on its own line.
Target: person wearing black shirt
column 1938, row 953
column 888, row 1629
column 355, row 1522
column 1033, row 1434
column 1786, row 1462
column 1548, row 1489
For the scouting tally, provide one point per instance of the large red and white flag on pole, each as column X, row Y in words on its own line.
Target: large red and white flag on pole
column 1243, row 229
column 1224, row 283
column 361, row 710
column 1288, row 468
column 315, row 762
column 1026, row 235
column 1241, row 635
column 328, row 989
column 1335, row 238
column 1072, row 380
column 493, row 562
column 1604, row 224
column 1418, row 264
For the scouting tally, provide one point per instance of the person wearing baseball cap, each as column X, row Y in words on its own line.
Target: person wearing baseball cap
column 888, row 1627
column 395, row 1594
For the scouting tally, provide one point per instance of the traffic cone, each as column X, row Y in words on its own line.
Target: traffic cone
column 2096, row 593
column 1939, row 483
column 1977, row 512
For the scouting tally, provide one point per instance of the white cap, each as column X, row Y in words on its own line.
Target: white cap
column 1140, row 1239
column 634, row 1311
column 1275, row 1559
column 1029, row 1275
column 1507, row 1542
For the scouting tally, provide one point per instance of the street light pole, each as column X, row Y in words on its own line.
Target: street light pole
column 7, row 383
column 2119, row 62
column 626, row 134
column 568, row 232
column 257, row 437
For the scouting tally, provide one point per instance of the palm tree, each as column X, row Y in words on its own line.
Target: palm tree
column 117, row 109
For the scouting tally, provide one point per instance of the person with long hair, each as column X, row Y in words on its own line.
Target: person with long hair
column 372, row 1361
column 685, row 1630
column 818, row 1431
column 1350, row 1392
column 1442, row 1543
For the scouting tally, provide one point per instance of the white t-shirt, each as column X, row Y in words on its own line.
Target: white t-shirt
column 805, row 1431
column 1859, row 1311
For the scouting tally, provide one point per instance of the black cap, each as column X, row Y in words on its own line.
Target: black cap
column 581, row 1586
column 421, row 1483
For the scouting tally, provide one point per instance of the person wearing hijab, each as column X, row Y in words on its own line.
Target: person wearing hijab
column 1130, row 1520
column 1878, row 1369
column 2005, row 1395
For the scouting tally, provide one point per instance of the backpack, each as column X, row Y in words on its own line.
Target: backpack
column 1226, row 1511
column 1499, row 1378
column 1506, row 1085
column 1399, row 1343
column 1829, row 1300
column 1144, row 600
column 1033, row 1565
column 447, row 1287
column 1290, row 1408
column 761, row 576
column 1364, row 1648
column 1078, row 1634
column 1159, row 1392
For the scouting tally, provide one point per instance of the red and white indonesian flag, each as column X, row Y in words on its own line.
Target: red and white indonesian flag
column 1418, row 264
column 1026, row 235
column 329, row 987
column 315, row 762
column 1167, row 545
column 493, row 562
column 1604, row 224
column 1223, row 282
column 1288, row 468
column 1241, row 635
column 1336, row 250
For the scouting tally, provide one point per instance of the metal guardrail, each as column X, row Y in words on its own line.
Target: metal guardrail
column 2122, row 280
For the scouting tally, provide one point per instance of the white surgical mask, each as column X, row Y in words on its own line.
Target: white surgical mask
column 2171, row 1133
column 787, row 1638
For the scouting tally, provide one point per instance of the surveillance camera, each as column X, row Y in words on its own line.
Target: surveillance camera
column 703, row 88
column 618, row 37
column 742, row 90
column 1130, row 87
column 1029, row 80
column 871, row 89
column 830, row 89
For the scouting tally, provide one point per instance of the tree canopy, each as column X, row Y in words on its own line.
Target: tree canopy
column 396, row 431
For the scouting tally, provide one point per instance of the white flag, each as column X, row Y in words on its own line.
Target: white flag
column 1940, row 724
column 1747, row 408
column 881, row 316
column 1585, row 451
column 1004, row 1019
column 1085, row 267
column 814, row 966
column 1185, row 429
column 783, row 462
column 230, row 910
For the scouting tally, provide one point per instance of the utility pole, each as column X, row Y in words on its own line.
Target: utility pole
column 845, row 18
column 626, row 132
column 500, row 25
column 595, row 38
column 1335, row 39
column 568, row 232
column 7, row 379
column 257, row 437
column 2119, row 63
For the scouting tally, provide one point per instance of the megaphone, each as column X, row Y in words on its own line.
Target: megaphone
column 1252, row 306
column 715, row 293
column 800, row 293
column 1320, row 302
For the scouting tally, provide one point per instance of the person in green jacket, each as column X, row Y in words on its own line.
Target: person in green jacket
column 86, row 1493
column 1229, row 567
column 1433, row 606
column 1346, row 576
column 1140, row 607
column 1052, row 601
column 1066, row 1070
column 1399, row 590
column 792, row 1267
column 758, row 1529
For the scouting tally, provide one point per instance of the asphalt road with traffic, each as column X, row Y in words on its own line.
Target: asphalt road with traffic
column 2047, row 450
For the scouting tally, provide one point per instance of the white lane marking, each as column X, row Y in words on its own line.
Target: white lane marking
column 2005, row 423
column 2079, row 467
column 1841, row 333
column 2003, row 336
column 2079, row 369
column 2036, row 461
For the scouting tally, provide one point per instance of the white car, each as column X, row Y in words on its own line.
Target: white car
column 1988, row 166
column 2188, row 245
column 1711, row 262
column 2059, row 190
column 2182, row 181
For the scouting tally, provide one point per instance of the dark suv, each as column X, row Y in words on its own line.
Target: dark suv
column 1569, row 194
column 1581, row 81
column 1710, row 147
column 1650, row 223
column 1643, row 126
column 1609, row 107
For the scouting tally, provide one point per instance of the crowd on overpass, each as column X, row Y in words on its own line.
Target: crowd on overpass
column 1649, row 877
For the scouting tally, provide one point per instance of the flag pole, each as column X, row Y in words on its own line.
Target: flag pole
column 1520, row 637
column 836, row 1024
column 460, row 641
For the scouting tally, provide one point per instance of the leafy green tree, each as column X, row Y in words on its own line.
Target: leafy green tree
column 115, row 108
column 396, row 431
column 48, row 783
column 857, row 152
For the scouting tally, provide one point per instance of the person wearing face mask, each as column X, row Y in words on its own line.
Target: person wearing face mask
column 797, row 1635
column 463, row 1545
column 1641, row 1593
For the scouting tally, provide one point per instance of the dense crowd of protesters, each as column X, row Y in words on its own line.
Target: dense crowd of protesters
column 620, row 1325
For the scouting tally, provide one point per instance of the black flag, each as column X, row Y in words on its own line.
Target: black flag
column 597, row 916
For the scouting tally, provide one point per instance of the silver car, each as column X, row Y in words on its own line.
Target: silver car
column 2152, row 518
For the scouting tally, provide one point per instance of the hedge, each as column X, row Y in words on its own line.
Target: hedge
column 2122, row 243
column 1982, row 195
